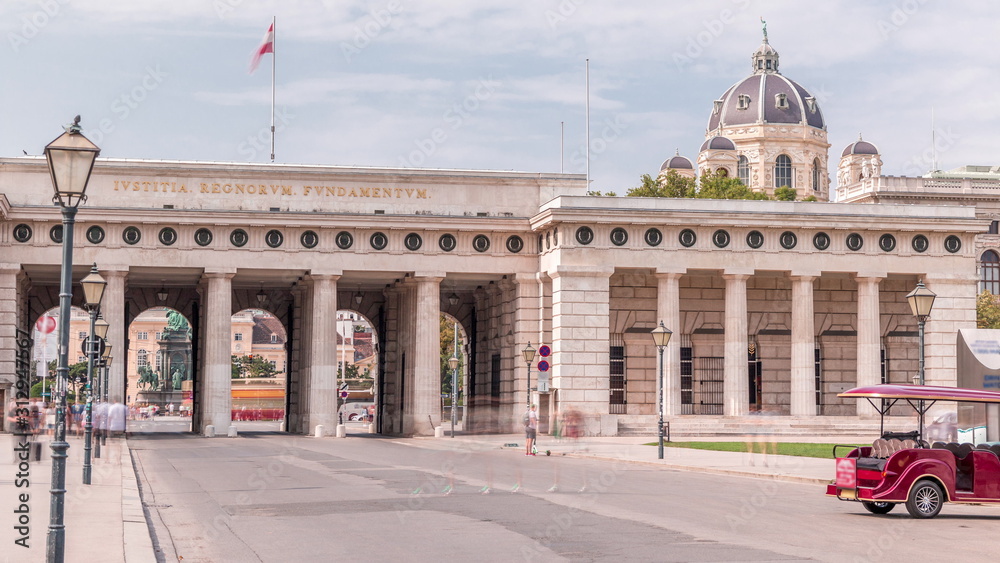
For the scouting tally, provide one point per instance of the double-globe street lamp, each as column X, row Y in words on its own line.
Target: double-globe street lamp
column 93, row 291
column 529, row 354
column 921, row 302
column 661, row 336
column 70, row 158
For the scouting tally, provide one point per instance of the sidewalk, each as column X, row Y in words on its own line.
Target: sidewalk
column 104, row 520
column 631, row 450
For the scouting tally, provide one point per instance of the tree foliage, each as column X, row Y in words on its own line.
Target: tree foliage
column 715, row 185
column 447, row 331
column 987, row 311
column 252, row 366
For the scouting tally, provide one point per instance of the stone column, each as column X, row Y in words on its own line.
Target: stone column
column 736, row 384
column 426, row 394
column 580, row 338
column 526, row 315
column 322, row 403
column 10, row 325
column 869, row 332
column 668, row 310
column 216, row 399
column 803, row 377
column 113, row 311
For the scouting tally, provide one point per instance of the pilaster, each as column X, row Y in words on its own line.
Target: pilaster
column 803, row 387
column 736, row 385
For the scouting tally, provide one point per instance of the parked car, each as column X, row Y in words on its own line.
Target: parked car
column 903, row 468
column 355, row 410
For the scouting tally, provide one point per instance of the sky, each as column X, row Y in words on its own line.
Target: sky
column 490, row 84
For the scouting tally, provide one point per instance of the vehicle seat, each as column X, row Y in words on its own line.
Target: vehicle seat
column 939, row 446
column 963, row 451
column 909, row 444
column 871, row 463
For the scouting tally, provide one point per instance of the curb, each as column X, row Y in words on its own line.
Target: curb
column 138, row 545
column 713, row 470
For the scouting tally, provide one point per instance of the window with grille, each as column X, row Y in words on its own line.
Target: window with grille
column 238, row 336
column 818, row 370
column 142, row 358
column 989, row 272
column 159, row 362
column 616, row 365
column 783, row 171
column 142, row 336
column 687, row 376
column 495, row 375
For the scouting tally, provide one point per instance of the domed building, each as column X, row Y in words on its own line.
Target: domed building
column 776, row 129
column 680, row 164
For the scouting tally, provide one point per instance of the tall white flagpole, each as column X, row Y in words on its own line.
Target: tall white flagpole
column 274, row 61
column 588, row 124
column 562, row 147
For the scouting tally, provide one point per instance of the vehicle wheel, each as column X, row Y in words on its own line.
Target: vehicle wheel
column 878, row 507
column 353, row 417
column 925, row 499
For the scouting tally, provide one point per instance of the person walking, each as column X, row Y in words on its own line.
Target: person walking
column 117, row 413
column 530, row 420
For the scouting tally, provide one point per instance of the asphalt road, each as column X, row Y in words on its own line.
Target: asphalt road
column 274, row 497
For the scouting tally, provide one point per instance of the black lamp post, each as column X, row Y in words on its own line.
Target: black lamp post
column 101, row 330
column 661, row 335
column 529, row 354
column 70, row 158
column 453, row 364
column 921, row 302
column 93, row 292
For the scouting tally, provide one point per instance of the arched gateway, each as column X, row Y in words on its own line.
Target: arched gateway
column 811, row 293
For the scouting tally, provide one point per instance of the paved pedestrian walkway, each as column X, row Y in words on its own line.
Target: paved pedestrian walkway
column 104, row 520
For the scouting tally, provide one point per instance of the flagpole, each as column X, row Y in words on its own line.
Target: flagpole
column 274, row 62
column 588, row 123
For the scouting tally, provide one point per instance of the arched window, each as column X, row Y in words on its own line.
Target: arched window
column 989, row 276
column 142, row 359
column 815, row 175
column 783, row 171
column 743, row 170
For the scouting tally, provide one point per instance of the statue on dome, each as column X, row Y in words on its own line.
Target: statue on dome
column 876, row 165
column 866, row 169
column 763, row 25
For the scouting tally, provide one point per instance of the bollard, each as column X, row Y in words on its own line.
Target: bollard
column 371, row 428
column 341, row 431
column 232, row 432
column 210, row 431
column 319, row 431
column 438, row 432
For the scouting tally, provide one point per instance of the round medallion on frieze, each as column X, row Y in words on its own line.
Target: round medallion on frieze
column 920, row 243
column 131, row 235
column 167, row 236
column 413, row 241
column 344, row 240
column 952, row 244
column 653, row 236
column 855, row 241
column 687, row 238
column 755, row 239
column 95, row 234
column 274, row 238
column 720, row 238
column 584, row 235
column 378, row 240
column 239, row 238
column 821, row 241
column 22, row 233
column 481, row 243
column 619, row 236
column 887, row 242
column 55, row 234
column 515, row 244
column 788, row 240
column 203, row 237
column 309, row 239
column 448, row 243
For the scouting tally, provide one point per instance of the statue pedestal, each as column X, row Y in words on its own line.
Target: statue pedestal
column 161, row 399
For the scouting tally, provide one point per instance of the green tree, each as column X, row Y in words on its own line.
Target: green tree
column 987, row 311
column 447, row 331
column 784, row 193
column 252, row 366
column 718, row 185
column 671, row 185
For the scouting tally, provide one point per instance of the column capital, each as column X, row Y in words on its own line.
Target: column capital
column 430, row 274
column 736, row 275
column 669, row 274
column 870, row 277
column 323, row 277
column 227, row 273
column 6, row 268
column 804, row 275
column 522, row 277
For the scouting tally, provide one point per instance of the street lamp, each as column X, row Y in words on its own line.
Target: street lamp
column 529, row 354
column 93, row 292
column 921, row 302
column 101, row 330
column 661, row 335
column 453, row 364
column 70, row 158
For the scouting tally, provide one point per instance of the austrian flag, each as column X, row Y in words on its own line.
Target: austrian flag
column 266, row 46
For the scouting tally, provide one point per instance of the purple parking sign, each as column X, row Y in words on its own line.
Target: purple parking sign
column 543, row 366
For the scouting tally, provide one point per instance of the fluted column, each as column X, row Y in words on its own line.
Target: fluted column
column 217, row 394
column 736, row 386
column 426, row 411
column 668, row 310
column 323, row 353
column 869, row 348
column 113, row 311
column 803, row 377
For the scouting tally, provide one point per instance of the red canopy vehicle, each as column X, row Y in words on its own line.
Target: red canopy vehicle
column 903, row 468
